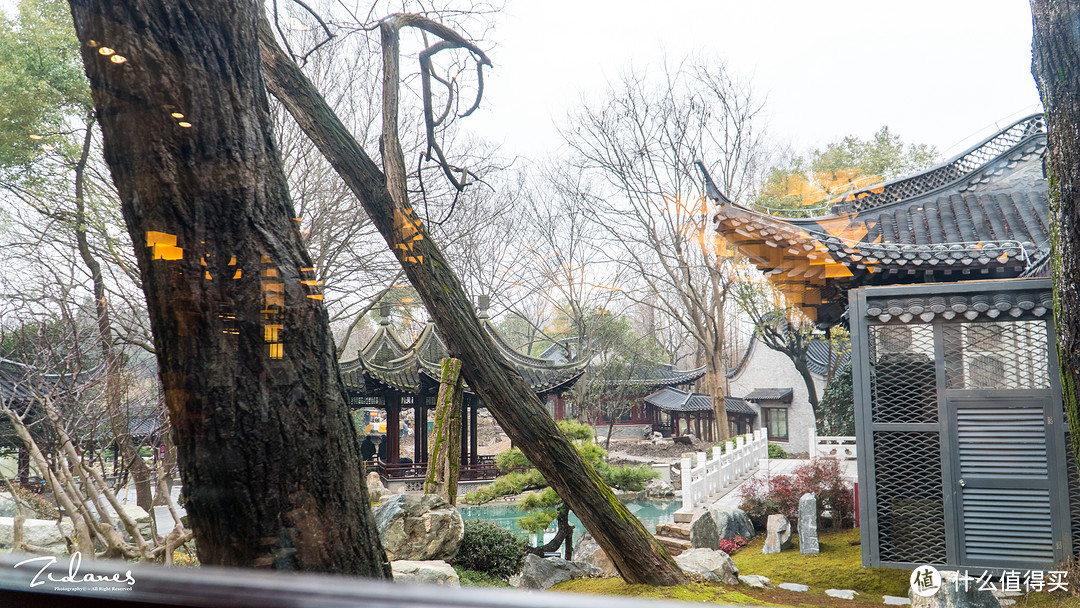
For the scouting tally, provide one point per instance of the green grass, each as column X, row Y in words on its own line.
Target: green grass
column 472, row 578
column 693, row 592
column 837, row 566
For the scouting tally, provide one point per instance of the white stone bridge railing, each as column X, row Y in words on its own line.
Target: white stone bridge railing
column 840, row 448
column 704, row 478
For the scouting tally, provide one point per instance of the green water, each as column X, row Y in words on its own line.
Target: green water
column 650, row 512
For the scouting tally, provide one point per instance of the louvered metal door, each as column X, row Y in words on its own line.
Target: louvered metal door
column 1001, row 475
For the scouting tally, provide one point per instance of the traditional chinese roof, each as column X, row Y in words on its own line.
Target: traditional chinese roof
column 983, row 214
column 661, row 375
column 673, row 400
column 818, row 354
column 419, row 364
column 21, row 382
column 784, row 395
column 1035, row 300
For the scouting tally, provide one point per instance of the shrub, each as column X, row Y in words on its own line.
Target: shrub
column 730, row 546
column 628, row 479
column 776, row 452
column 489, row 549
column 35, row 502
column 780, row 493
column 575, row 430
column 836, row 411
column 507, row 485
column 472, row 578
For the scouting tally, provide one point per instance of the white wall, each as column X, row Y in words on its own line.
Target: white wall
column 768, row 368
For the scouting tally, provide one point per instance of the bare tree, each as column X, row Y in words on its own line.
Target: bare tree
column 639, row 148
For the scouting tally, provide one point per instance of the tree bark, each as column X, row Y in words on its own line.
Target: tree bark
column 1056, row 67
column 636, row 554
column 444, row 461
column 268, row 456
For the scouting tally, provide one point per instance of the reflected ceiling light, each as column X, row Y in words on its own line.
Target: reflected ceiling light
column 92, row 43
column 118, row 59
column 106, row 51
column 186, row 125
column 177, row 115
column 47, row 148
column 35, row 136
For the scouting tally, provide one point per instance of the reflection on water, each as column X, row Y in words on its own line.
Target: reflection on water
column 650, row 512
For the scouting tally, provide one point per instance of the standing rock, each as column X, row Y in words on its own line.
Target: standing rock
column 719, row 523
column 433, row 572
column 541, row 573
column 658, row 488
column 808, row 538
column 714, row 565
column 955, row 593
column 777, row 534
column 374, row 482
column 754, row 580
column 41, row 532
column 142, row 522
column 589, row 551
column 419, row 527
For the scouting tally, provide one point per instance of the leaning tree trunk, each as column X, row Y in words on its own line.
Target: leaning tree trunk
column 265, row 448
column 1056, row 67
column 635, row 553
column 716, row 384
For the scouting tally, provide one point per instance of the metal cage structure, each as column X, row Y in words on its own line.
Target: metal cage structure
column 960, row 425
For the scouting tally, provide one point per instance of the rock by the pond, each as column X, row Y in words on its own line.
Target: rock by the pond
column 892, row 600
column 794, row 587
column 142, row 522
column 374, row 482
column 719, row 523
column 541, row 573
column 954, row 595
column 682, row 440
column 777, row 534
column 754, row 580
column 419, row 527
column 430, row 572
column 589, row 551
column 658, row 488
column 808, row 537
column 41, row 532
column 712, row 564
column 844, row 594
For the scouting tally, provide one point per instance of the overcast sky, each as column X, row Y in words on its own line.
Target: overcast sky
column 939, row 72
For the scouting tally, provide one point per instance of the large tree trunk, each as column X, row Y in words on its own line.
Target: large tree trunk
column 716, row 385
column 265, row 448
column 1056, row 67
column 636, row 554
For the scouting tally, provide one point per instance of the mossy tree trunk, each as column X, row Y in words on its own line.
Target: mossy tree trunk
column 444, row 461
column 270, row 462
column 635, row 553
column 1056, row 67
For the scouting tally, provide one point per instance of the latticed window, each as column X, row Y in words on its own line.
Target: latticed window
column 776, row 421
column 996, row 355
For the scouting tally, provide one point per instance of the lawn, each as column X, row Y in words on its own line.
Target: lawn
column 837, row 566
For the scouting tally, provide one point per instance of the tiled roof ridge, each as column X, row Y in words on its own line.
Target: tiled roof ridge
column 956, row 169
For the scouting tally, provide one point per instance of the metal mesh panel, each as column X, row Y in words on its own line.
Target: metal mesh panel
column 910, row 509
column 1074, row 494
column 1008, row 355
column 902, row 380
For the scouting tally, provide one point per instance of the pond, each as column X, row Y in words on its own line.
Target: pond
column 650, row 512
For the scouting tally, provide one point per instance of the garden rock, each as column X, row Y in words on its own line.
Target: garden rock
column 419, row 527
column 712, row 564
column 142, row 522
column 892, row 600
column 8, row 508
column 589, row 551
column 754, row 580
column 432, row 572
column 794, row 587
column 808, row 524
column 719, row 523
column 953, row 595
column 374, row 482
column 844, row 594
column 777, row 534
column 658, row 488
column 541, row 573
column 40, row 532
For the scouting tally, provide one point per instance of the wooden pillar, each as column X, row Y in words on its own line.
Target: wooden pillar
column 419, row 430
column 465, row 429
column 393, row 428
column 675, row 424
column 474, row 441
column 24, row 465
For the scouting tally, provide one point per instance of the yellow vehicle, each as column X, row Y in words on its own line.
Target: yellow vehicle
column 374, row 422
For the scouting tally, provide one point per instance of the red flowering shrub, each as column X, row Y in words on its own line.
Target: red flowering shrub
column 823, row 477
column 732, row 545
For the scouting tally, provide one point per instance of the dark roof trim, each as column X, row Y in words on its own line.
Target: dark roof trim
column 784, row 395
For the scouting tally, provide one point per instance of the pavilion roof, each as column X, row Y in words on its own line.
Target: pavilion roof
column 982, row 215
column 419, row 364
column 673, row 400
